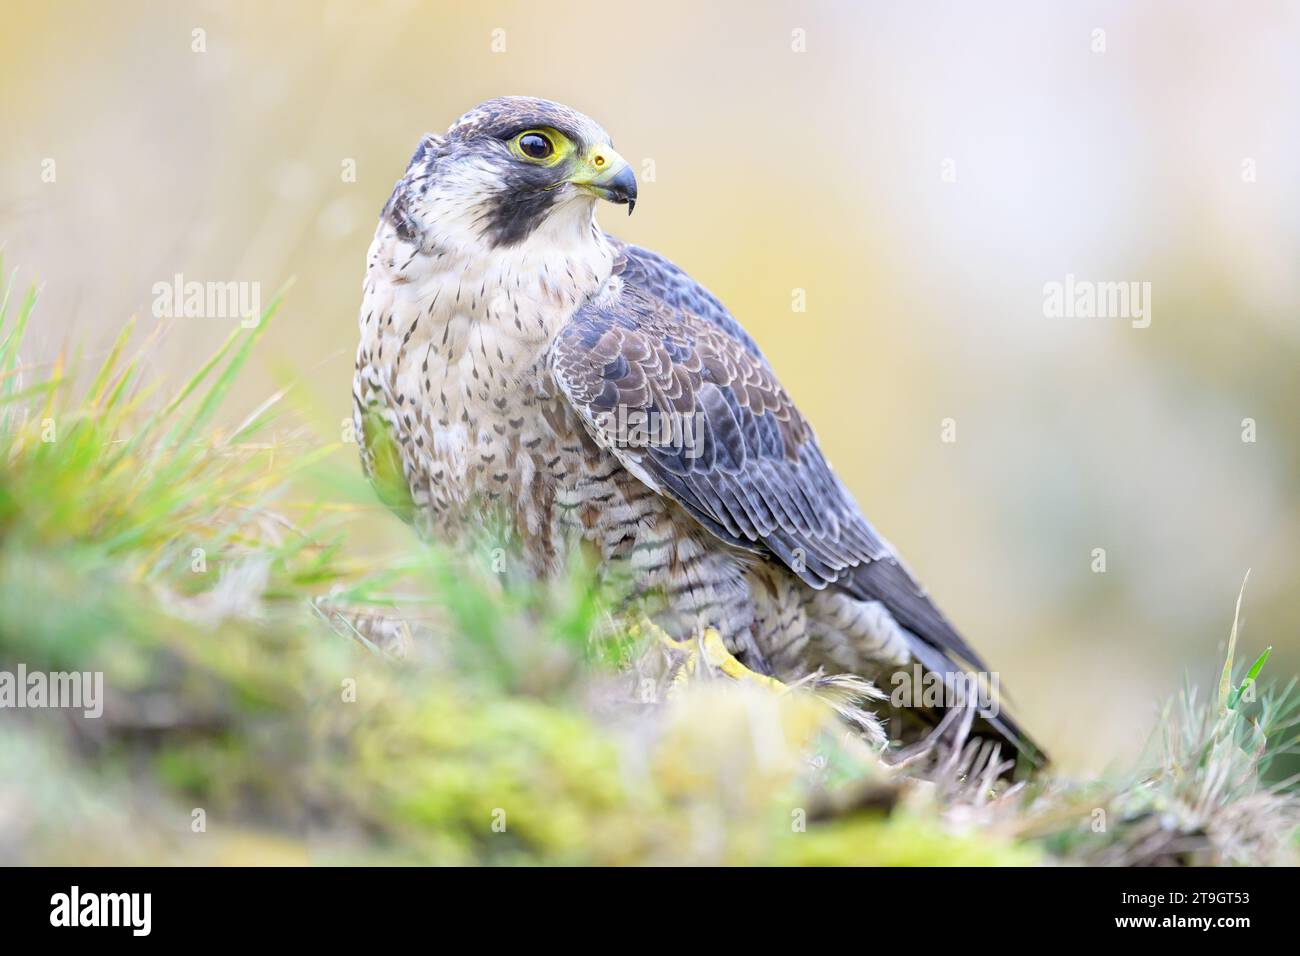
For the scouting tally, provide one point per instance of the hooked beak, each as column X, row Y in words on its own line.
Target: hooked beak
column 607, row 175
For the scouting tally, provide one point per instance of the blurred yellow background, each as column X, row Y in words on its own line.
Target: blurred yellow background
column 919, row 170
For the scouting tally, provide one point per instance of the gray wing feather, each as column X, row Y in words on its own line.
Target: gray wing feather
column 743, row 462
column 747, row 465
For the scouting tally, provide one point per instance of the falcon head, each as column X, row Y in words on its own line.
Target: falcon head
column 510, row 169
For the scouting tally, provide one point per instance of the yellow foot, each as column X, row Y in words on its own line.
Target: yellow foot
column 708, row 646
column 845, row 694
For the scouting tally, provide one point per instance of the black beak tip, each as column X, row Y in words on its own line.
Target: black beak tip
column 623, row 189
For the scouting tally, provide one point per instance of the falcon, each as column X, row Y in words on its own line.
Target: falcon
column 521, row 368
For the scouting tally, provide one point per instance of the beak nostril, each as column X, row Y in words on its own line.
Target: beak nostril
column 599, row 160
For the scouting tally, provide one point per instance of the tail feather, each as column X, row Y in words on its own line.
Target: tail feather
column 998, row 725
column 934, row 642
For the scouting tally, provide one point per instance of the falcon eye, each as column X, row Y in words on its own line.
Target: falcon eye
column 536, row 145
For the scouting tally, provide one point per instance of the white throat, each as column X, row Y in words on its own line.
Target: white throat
column 514, row 296
column 460, row 307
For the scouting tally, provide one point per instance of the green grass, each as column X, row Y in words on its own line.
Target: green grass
column 307, row 701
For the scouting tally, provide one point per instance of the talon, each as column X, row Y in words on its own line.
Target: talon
column 718, row 657
column 710, row 646
column 645, row 624
column 843, row 694
column 681, row 672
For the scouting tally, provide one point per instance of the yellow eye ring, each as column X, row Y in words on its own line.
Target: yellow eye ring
column 541, row 145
